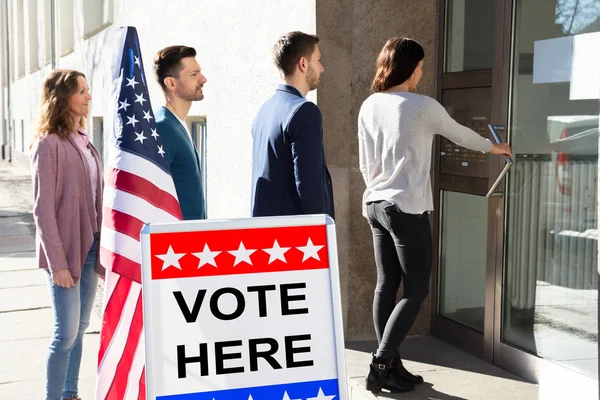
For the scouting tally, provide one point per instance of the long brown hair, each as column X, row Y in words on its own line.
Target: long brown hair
column 54, row 114
column 396, row 63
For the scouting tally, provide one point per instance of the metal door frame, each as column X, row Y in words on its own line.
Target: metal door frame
column 509, row 357
column 489, row 345
column 464, row 337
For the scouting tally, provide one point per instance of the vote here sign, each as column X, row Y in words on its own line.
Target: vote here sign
column 243, row 309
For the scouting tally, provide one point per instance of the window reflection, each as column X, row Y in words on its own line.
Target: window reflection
column 551, row 280
column 578, row 16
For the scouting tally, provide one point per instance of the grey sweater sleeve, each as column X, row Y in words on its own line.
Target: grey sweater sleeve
column 456, row 132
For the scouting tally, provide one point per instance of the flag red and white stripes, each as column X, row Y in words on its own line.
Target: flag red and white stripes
column 138, row 189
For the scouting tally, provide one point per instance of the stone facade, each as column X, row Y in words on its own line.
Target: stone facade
column 352, row 35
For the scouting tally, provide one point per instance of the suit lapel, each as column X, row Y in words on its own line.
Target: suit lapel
column 183, row 130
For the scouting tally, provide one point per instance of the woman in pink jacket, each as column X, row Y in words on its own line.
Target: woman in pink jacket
column 67, row 186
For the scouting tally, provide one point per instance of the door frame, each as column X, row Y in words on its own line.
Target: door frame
column 511, row 358
column 489, row 345
column 465, row 337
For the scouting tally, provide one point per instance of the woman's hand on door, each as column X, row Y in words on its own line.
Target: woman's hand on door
column 502, row 149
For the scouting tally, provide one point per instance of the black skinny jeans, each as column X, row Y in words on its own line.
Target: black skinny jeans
column 403, row 250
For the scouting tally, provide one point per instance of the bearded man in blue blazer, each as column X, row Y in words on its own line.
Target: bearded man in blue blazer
column 289, row 172
column 181, row 80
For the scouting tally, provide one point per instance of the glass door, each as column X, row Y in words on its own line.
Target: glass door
column 461, row 176
column 547, row 308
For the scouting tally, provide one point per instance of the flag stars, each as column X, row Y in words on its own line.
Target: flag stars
column 147, row 116
column 277, row 252
column 161, row 151
column 132, row 82
column 242, row 254
column 310, row 251
column 170, row 259
column 131, row 120
column 137, row 61
column 139, row 98
column 140, row 137
column 154, row 134
column 123, row 105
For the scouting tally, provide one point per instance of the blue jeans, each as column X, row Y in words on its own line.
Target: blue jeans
column 72, row 308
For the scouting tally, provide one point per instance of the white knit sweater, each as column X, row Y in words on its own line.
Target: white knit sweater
column 395, row 132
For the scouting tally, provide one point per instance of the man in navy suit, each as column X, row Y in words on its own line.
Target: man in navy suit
column 181, row 79
column 289, row 173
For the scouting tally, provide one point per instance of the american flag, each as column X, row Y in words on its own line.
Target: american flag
column 138, row 189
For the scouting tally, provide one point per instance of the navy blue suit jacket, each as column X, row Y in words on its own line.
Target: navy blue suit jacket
column 183, row 162
column 289, row 173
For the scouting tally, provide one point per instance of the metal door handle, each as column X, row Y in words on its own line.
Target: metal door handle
column 509, row 162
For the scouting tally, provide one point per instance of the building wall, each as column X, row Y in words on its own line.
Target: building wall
column 234, row 41
column 352, row 34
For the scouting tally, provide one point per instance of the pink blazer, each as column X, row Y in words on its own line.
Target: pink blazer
column 63, row 204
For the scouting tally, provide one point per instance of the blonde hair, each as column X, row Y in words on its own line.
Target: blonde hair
column 54, row 114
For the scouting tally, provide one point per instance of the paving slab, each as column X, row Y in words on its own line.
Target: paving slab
column 15, row 261
column 9, row 222
column 26, row 379
column 6, row 211
column 17, row 299
column 16, row 244
column 482, row 383
column 17, row 230
column 22, row 278
column 450, row 374
column 34, row 324
column 420, row 352
column 34, row 389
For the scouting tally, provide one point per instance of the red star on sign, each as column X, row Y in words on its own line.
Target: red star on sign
column 241, row 251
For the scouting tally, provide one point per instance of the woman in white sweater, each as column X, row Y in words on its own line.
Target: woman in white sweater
column 396, row 128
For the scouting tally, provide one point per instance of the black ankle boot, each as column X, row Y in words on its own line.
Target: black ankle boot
column 398, row 370
column 381, row 377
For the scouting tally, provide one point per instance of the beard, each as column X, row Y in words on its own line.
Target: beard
column 192, row 95
column 312, row 78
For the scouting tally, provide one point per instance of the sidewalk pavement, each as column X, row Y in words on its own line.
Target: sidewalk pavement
column 25, row 310
column 449, row 373
column 26, row 326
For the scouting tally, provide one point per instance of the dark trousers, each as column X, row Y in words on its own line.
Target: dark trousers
column 403, row 250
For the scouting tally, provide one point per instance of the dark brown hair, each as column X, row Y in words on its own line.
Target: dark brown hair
column 290, row 48
column 55, row 116
column 396, row 63
column 167, row 62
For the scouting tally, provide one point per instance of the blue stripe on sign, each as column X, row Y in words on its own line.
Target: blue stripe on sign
column 321, row 390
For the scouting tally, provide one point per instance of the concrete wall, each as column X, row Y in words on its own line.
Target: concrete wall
column 352, row 33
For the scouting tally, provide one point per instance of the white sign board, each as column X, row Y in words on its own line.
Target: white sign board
column 585, row 78
column 552, row 60
column 243, row 309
